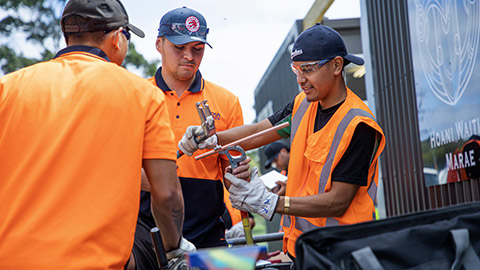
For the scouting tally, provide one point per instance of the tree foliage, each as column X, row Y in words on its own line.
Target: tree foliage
column 137, row 60
column 35, row 25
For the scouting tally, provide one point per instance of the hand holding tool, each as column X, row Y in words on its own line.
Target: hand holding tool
column 252, row 196
column 207, row 124
column 235, row 162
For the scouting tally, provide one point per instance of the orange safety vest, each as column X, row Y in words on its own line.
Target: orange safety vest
column 314, row 156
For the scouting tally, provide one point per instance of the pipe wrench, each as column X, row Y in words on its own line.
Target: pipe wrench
column 235, row 162
column 207, row 124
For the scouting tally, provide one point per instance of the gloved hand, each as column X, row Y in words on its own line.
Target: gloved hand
column 252, row 196
column 188, row 145
column 235, row 231
column 184, row 247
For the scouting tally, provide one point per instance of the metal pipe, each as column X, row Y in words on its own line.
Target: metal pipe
column 269, row 237
column 237, row 142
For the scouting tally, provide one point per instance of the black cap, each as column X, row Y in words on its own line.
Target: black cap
column 102, row 15
column 321, row 42
column 272, row 150
column 183, row 25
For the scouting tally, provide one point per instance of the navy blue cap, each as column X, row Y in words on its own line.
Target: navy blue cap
column 183, row 25
column 272, row 150
column 321, row 42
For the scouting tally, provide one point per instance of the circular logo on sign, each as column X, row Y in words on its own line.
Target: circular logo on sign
column 448, row 39
column 192, row 24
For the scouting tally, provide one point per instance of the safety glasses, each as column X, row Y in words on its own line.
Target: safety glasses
column 127, row 34
column 124, row 31
column 307, row 68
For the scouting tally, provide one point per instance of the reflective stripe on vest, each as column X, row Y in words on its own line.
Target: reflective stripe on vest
column 304, row 225
column 372, row 189
column 297, row 118
column 286, row 221
column 327, row 168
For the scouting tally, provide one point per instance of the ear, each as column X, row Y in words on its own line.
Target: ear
column 159, row 44
column 337, row 63
column 115, row 38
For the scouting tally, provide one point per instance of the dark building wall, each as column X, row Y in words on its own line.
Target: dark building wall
column 395, row 101
column 278, row 85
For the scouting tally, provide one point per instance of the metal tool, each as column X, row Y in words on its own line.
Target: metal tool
column 234, row 159
column 163, row 263
column 235, row 162
column 218, row 149
column 159, row 249
column 269, row 237
column 207, row 123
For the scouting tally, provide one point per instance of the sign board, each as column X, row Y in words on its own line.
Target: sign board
column 445, row 37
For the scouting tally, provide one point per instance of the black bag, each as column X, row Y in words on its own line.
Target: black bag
column 447, row 238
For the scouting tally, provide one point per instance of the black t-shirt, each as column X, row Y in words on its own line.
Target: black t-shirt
column 353, row 166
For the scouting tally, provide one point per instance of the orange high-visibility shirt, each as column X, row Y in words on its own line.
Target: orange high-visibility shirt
column 73, row 133
column 201, row 179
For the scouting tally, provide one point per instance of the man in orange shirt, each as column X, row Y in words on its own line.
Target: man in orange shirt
column 181, row 42
column 74, row 132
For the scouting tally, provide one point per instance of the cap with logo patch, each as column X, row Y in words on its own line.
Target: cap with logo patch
column 101, row 15
column 183, row 25
column 321, row 42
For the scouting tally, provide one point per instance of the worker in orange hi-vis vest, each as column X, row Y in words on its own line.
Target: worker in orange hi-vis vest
column 334, row 149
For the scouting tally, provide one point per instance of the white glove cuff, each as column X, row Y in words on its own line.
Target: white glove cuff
column 268, row 206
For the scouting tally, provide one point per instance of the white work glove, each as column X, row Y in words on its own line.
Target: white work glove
column 236, row 231
column 188, row 145
column 184, row 247
column 252, row 196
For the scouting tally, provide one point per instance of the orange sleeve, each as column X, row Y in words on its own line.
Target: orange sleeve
column 159, row 142
column 236, row 119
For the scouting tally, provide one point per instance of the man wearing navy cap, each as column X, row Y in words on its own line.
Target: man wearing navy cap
column 335, row 144
column 182, row 36
column 277, row 153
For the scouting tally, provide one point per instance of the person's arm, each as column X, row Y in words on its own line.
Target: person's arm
column 350, row 173
column 348, row 176
column 189, row 146
column 145, row 183
column 254, row 197
column 333, row 203
column 236, row 133
column 167, row 199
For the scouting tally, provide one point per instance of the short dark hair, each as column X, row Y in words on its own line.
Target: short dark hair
column 97, row 37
